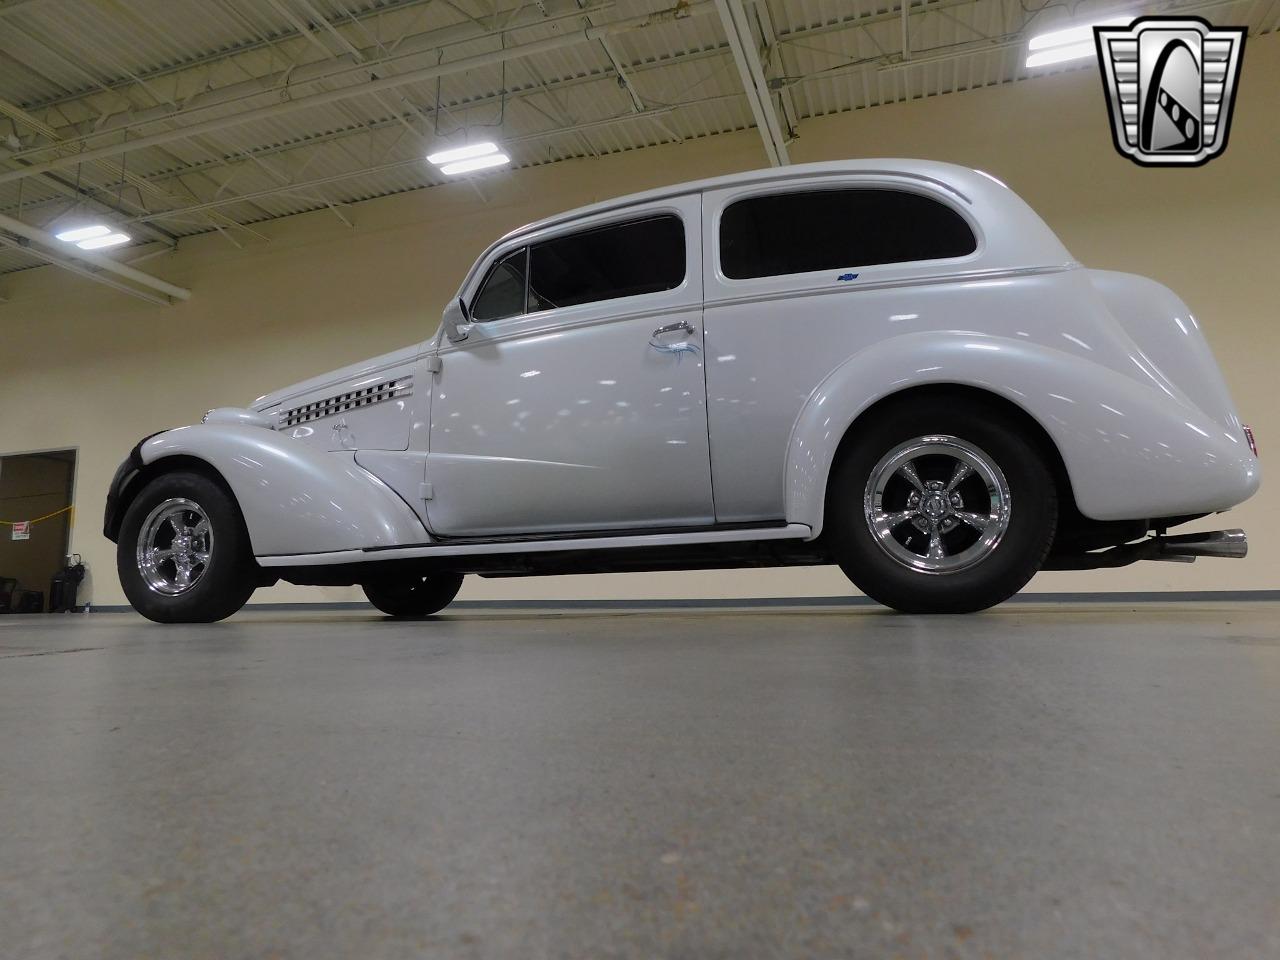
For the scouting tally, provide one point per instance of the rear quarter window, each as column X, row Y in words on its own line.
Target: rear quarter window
column 800, row 232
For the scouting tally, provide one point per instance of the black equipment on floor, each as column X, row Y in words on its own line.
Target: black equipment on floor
column 65, row 584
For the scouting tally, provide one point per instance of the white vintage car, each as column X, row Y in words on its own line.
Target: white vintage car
column 892, row 365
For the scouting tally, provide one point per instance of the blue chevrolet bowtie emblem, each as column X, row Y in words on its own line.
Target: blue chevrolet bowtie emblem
column 847, row 276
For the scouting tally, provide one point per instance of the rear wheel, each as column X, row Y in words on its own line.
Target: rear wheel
column 413, row 596
column 183, row 554
column 940, row 506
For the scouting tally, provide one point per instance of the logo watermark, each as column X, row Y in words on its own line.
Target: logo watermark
column 1171, row 86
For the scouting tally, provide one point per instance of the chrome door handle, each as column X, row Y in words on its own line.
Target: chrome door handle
column 684, row 325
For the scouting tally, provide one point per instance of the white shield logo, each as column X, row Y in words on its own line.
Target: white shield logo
column 1171, row 84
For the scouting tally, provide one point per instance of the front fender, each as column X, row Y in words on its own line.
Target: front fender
column 1133, row 449
column 295, row 499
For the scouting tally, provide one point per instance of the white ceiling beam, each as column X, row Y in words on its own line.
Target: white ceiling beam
column 324, row 97
column 211, row 58
column 14, row 112
column 906, row 29
column 367, row 62
column 638, row 67
column 56, row 249
column 655, row 115
column 82, row 194
column 743, row 45
column 773, row 63
column 1014, row 40
column 454, row 34
column 81, row 270
column 634, row 69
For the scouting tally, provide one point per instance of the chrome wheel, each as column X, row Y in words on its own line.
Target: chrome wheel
column 175, row 545
column 937, row 504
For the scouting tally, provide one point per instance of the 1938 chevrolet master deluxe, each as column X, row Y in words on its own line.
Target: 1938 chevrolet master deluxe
column 892, row 365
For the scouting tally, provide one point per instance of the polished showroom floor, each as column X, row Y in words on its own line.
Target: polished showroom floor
column 1038, row 782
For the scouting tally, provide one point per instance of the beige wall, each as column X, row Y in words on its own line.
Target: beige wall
column 87, row 367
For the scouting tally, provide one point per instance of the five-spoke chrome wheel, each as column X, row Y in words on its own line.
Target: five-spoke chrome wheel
column 937, row 504
column 175, row 546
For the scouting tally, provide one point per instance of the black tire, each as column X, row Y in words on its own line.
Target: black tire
column 1001, row 568
column 413, row 596
column 225, row 582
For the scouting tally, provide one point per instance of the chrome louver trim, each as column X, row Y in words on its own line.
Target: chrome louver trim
column 343, row 402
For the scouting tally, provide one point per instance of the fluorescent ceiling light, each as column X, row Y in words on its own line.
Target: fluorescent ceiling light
column 1073, row 35
column 1072, row 51
column 110, row 240
column 462, row 153
column 1072, row 43
column 76, row 234
column 476, row 163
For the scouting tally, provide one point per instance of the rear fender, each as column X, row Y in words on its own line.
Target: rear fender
column 1131, row 449
column 295, row 498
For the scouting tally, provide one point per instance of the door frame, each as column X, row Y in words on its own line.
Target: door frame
column 74, row 450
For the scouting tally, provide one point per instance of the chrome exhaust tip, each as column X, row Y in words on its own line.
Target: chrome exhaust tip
column 1211, row 543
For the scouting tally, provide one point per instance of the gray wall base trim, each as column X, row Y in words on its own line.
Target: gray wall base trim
column 1185, row 596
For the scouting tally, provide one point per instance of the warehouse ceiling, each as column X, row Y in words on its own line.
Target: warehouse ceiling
column 169, row 118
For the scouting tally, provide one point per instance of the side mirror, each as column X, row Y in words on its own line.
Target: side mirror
column 455, row 322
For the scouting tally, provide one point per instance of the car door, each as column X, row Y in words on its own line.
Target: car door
column 799, row 277
column 577, row 400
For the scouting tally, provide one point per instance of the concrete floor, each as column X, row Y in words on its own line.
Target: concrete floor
column 1038, row 781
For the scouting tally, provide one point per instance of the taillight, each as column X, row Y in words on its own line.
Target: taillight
column 1248, row 435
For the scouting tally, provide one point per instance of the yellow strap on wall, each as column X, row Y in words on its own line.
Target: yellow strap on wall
column 47, row 516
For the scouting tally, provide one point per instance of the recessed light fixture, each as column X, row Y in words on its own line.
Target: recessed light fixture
column 441, row 157
column 110, row 240
column 476, row 163
column 1071, row 43
column 76, row 234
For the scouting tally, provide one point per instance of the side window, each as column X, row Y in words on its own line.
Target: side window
column 832, row 229
column 502, row 293
column 619, row 260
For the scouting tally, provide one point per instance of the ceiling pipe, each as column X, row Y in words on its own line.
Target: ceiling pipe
column 414, row 45
column 200, row 62
column 16, row 113
column 461, row 65
column 59, row 249
column 381, row 168
column 248, row 88
column 82, row 270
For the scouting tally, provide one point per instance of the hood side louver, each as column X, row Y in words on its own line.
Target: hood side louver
column 343, row 402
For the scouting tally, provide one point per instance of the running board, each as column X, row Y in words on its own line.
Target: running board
column 792, row 531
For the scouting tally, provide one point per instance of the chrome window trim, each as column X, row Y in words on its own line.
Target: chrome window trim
column 862, row 180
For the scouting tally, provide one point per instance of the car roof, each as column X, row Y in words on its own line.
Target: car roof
column 1013, row 235
column 956, row 179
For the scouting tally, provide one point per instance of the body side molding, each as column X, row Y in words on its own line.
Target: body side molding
column 793, row 531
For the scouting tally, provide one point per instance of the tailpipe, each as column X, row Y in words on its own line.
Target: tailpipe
column 1211, row 543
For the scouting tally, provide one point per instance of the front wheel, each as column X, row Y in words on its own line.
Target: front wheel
column 415, row 595
column 183, row 554
column 941, row 507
